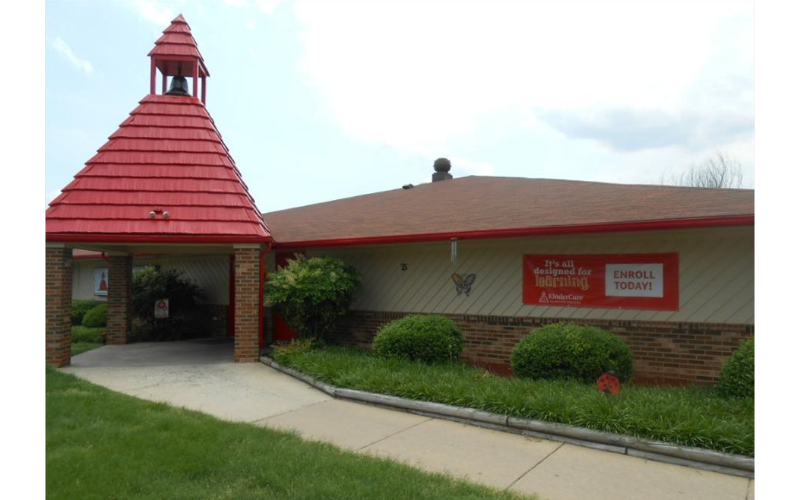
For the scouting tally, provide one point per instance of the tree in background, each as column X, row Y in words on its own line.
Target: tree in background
column 312, row 293
column 718, row 171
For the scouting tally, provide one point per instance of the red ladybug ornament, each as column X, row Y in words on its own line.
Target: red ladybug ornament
column 608, row 383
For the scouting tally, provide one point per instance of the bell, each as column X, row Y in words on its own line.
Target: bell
column 178, row 86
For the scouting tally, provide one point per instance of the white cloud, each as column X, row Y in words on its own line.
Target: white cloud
column 417, row 75
column 238, row 4
column 268, row 6
column 62, row 48
column 154, row 12
column 251, row 25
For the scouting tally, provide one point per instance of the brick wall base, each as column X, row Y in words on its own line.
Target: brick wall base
column 664, row 353
column 120, row 290
column 246, row 284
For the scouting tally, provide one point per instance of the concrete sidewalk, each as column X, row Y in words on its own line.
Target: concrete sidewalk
column 201, row 376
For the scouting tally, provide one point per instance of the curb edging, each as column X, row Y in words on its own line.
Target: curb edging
column 737, row 465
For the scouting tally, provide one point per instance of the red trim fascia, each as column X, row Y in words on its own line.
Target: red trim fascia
column 154, row 238
column 743, row 220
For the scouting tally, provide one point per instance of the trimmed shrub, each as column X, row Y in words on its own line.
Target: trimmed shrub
column 311, row 293
column 738, row 376
column 80, row 308
column 570, row 351
column 420, row 337
column 96, row 317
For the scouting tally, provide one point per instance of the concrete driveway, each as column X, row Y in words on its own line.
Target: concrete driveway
column 201, row 375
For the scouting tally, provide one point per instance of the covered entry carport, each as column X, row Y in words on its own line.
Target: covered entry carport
column 164, row 184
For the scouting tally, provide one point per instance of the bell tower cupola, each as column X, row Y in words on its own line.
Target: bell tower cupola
column 176, row 55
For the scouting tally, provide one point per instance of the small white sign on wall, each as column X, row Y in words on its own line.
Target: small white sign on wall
column 635, row 280
column 101, row 281
column 162, row 308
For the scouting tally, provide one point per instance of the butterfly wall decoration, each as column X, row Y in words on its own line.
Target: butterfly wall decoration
column 463, row 285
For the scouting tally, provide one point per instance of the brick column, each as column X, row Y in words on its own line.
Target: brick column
column 120, row 282
column 247, row 296
column 58, row 302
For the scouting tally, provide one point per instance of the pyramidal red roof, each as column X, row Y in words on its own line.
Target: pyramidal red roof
column 164, row 176
column 175, row 47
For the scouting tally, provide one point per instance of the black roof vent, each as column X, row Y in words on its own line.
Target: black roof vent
column 408, row 186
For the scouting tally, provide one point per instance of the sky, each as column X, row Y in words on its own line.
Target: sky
column 324, row 100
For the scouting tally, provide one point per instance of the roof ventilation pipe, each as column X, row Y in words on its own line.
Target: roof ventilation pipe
column 442, row 168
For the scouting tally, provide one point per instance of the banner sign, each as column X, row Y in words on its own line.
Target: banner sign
column 635, row 281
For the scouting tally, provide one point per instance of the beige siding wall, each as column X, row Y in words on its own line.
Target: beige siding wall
column 209, row 272
column 716, row 275
column 83, row 279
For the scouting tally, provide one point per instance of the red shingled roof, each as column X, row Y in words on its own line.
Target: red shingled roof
column 484, row 207
column 175, row 50
column 169, row 156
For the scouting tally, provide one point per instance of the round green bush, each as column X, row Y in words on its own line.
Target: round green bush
column 80, row 308
column 427, row 338
column 96, row 317
column 570, row 351
column 312, row 293
column 738, row 376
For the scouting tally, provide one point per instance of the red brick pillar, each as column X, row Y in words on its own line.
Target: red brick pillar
column 247, row 298
column 58, row 302
column 120, row 284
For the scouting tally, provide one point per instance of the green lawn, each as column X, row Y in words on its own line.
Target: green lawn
column 85, row 339
column 106, row 445
column 694, row 416
column 81, row 347
column 87, row 334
